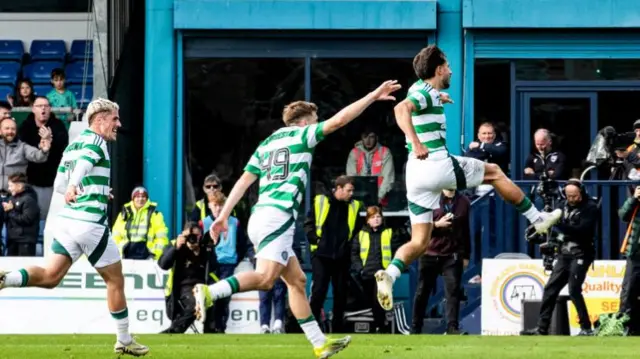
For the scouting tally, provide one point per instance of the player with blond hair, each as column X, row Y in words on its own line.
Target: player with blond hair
column 81, row 227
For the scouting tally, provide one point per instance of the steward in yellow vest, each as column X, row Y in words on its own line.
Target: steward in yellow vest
column 139, row 230
column 371, row 251
column 331, row 226
column 190, row 260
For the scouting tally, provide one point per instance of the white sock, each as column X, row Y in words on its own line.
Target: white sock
column 312, row 330
column 277, row 324
column 223, row 288
column 15, row 279
column 393, row 271
column 532, row 214
column 122, row 324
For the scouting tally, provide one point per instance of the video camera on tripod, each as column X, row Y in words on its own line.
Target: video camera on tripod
column 602, row 151
column 549, row 190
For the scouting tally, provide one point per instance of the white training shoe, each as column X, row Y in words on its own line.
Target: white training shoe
column 133, row 348
column 385, row 289
column 203, row 301
column 547, row 220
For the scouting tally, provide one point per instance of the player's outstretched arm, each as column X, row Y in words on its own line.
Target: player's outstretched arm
column 403, row 112
column 349, row 113
column 237, row 192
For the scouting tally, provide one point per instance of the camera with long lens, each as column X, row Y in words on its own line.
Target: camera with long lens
column 602, row 150
column 549, row 190
column 195, row 238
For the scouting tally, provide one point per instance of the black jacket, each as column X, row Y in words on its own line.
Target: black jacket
column 335, row 241
column 554, row 161
column 23, row 221
column 496, row 152
column 374, row 259
column 43, row 174
column 578, row 227
column 176, row 260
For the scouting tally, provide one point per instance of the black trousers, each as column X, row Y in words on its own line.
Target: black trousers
column 21, row 249
column 370, row 289
column 629, row 294
column 336, row 272
column 567, row 270
column 430, row 267
column 184, row 311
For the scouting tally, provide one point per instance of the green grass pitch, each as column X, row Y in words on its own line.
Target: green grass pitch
column 295, row 346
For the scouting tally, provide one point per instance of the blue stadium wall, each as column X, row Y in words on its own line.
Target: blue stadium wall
column 466, row 29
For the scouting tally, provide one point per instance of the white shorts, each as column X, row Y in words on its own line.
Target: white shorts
column 271, row 232
column 74, row 238
column 427, row 178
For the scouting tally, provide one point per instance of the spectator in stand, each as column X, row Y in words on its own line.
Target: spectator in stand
column 370, row 158
column 22, row 217
column 231, row 249
column 447, row 255
column 373, row 250
column 24, row 96
column 5, row 110
column 489, row 148
column 211, row 184
column 16, row 154
column 139, row 230
column 42, row 175
column 59, row 96
column 544, row 159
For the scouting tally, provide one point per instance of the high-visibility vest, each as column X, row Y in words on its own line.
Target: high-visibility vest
column 365, row 242
column 321, row 207
column 203, row 210
column 376, row 162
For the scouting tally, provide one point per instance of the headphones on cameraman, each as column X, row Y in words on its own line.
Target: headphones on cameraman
column 577, row 183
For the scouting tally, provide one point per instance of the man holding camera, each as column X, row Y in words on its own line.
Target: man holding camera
column 191, row 260
column 576, row 232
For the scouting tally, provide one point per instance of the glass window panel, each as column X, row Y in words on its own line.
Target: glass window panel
column 492, row 97
column 335, row 83
column 230, row 106
column 568, row 121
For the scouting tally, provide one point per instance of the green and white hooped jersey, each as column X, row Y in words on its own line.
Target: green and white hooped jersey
column 91, row 204
column 282, row 162
column 428, row 119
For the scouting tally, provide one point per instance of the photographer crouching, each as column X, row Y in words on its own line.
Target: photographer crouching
column 191, row 260
column 575, row 250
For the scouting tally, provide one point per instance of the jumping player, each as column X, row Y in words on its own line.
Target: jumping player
column 282, row 163
column 431, row 168
column 81, row 227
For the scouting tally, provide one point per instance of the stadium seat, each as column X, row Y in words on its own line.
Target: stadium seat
column 75, row 72
column 48, row 50
column 11, row 50
column 41, row 90
column 81, row 50
column 40, row 72
column 4, row 91
column 82, row 101
column 9, row 72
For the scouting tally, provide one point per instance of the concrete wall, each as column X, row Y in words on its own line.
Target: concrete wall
column 45, row 26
